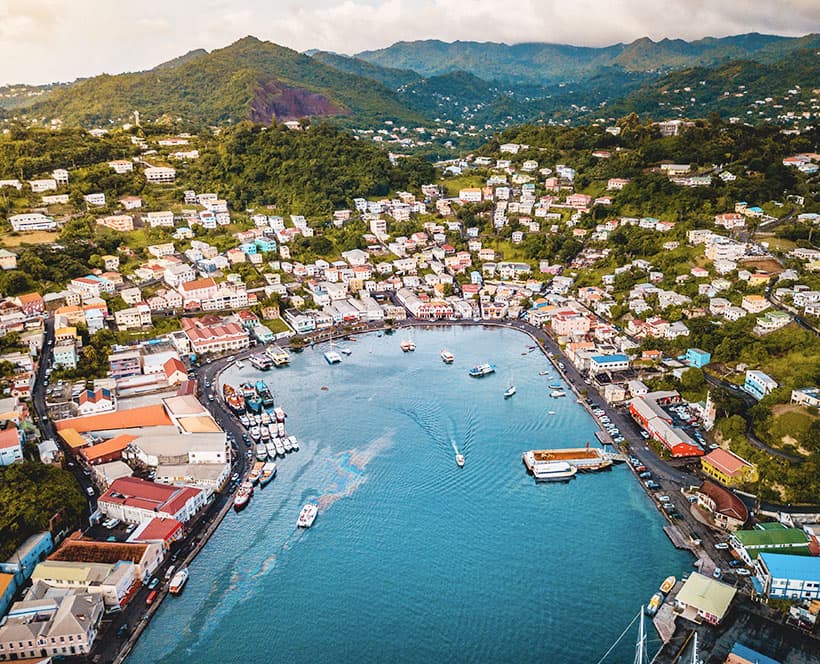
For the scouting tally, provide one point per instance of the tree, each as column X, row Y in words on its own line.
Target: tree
column 693, row 380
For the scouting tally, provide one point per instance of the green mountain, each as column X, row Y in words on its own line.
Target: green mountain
column 547, row 64
column 387, row 76
column 248, row 80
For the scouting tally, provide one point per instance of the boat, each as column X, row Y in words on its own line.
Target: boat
column 556, row 386
column 268, row 473
column 556, row 394
column 585, row 459
column 543, row 373
column 242, row 497
column 286, row 444
column 294, row 443
column 553, row 471
column 259, row 361
column 550, row 412
column 252, row 401
column 278, row 356
column 261, row 452
column 244, row 421
column 509, row 391
column 256, row 434
column 265, row 415
column 307, row 516
column 667, row 585
column 279, row 414
column 178, row 581
column 482, row 370
column 447, row 357
column 407, row 346
column 272, row 449
column 240, row 364
column 460, row 460
column 280, row 448
column 264, row 393
column 265, row 432
column 654, row 604
column 256, row 472
column 345, row 351
column 280, row 429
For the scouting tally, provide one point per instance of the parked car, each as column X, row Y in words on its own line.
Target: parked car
column 721, row 546
column 743, row 572
column 645, row 475
column 717, row 573
column 665, row 499
column 736, row 563
column 644, row 435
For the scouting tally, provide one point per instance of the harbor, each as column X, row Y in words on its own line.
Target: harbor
column 392, row 465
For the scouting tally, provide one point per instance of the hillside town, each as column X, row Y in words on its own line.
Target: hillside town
column 104, row 371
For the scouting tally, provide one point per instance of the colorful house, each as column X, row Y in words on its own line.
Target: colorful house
column 728, row 468
column 695, row 357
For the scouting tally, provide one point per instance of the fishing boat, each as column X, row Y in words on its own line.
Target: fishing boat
column 307, row 516
column 178, row 581
column 233, row 399
column 446, row 356
column 261, row 452
column 553, row 471
column 252, row 401
column 264, row 393
column 286, row 444
column 481, row 370
column 256, row 472
column 667, row 585
column 280, row 448
column 407, row 346
column 279, row 414
column 256, row 434
column 557, row 394
column 268, row 473
column 242, row 497
column 654, row 604
column 294, row 443
column 265, row 432
column 244, row 421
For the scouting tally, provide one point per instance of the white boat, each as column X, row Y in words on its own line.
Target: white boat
column 265, row 432
column 550, row 412
column 240, row 364
column 553, row 471
column 345, row 351
column 286, row 444
column 408, row 346
column 446, row 356
column 256, row 434
column 294, row 443
column 280, row 449
column 556, row 394
column 178, row 581
column 271, row 449
column 244, row 421
column 261, row 452
column 481, row 370
column 265, row 417
column 509, row 391
column 460, row 460
column 332, row 357
column 279, row 414
column 280, row 429
column 307, row 516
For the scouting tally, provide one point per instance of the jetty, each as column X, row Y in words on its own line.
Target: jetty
column 585, row 459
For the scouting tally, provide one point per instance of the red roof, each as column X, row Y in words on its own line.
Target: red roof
column 146, row 416
column 163, row 530
column 9, row 438
column 172, row 365
column 726, row 462
column 111, row 448
column 134, row 492
column 726, row 502
column 197, row 284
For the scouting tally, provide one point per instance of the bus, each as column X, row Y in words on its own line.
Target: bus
column 151, row 597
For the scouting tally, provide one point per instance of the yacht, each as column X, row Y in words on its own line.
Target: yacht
column 553, row 471
column 256, row 434
column 307, row 516
column 654, row 604
column 243, row 496
column 345, row 351
column 256, row 472
column 509, row 391
column 240, row 364
column 555, row 394
column 460, row 460
column 447, row 357
column 280, row 429
column 178, row 581
column 482, row 370
column 294, row 443
column 408, row 346
column 332, row 357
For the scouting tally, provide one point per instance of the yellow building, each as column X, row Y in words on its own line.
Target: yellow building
column 728, row 468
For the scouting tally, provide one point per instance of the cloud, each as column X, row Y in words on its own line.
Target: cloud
column 48, row 40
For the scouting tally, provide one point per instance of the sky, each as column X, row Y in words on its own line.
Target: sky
column 43, row 41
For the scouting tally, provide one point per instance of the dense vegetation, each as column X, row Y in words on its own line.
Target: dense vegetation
column 307, row 172
column 31, row 493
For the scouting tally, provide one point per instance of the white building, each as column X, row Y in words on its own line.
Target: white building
column 32, row 221
column 160, row 174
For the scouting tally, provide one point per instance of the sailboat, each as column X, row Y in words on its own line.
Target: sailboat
column 510, row 389
column 331, row 356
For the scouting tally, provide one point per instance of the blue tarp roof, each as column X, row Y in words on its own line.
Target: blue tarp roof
column 784, row 566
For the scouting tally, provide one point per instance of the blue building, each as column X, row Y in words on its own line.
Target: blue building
column 22, row 563
column 248, row 248
column 265, row 245
column 745, row 654
column 8, row 587
column 784, row 576
column 759, row 384
column 475, row 278
column 601, row 363
column 695, row 357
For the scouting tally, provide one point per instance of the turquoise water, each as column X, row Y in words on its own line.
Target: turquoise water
column 411, row 558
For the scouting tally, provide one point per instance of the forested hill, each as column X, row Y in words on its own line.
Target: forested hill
column 248, row 80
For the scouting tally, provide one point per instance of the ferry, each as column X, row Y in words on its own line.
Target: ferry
column 279, row 414
column 268, row 473
column 273, row 450
column 178, row 582
column 408, row 346
column 260, row 362
column 256, row 472
column 294, row 443
column 261, row 452
column 447, row 357
column 242, row 497
column 585, row 459
column 510, row 391
column 482, row 370
column 557, row 394
column 667, row 585
column 264, row 393
column 307, row 516
column 278, row 356
column 460, row 460
column 553, row 471
column 654, row 604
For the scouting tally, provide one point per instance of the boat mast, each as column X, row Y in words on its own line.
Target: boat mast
column 640, row 644
column 695, row 658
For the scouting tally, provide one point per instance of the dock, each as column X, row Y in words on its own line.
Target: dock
column 585, row 459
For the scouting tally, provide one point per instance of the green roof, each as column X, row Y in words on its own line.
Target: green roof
column 771, row 537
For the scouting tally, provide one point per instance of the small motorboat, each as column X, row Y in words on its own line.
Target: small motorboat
column 460, row 460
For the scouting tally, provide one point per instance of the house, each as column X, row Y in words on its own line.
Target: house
column 131, row 202
column 160, row 175
column 695, row 357
column 133, row 318
column 145, row 556
column 135, row 501
column 175, row 371
column 754, row 304
column 121, row 166
column 8, row 260
column 647, row 410
column 112, row 581
column 39, row 186
column 198, row 290
column 781, row 576
column 164, row 218
column 211, row 334
column 806, row 396
column 759, row 384
column 470, row 195
column 65, row 355
column 31, row 221
column 771, row 538
column 118, row 222
column 725, row 508
column 97, row 199
column 92, row 402
column 703, row 598
column 728, row 468
column 607, row 364
column 11, row 445
column 31, row 304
